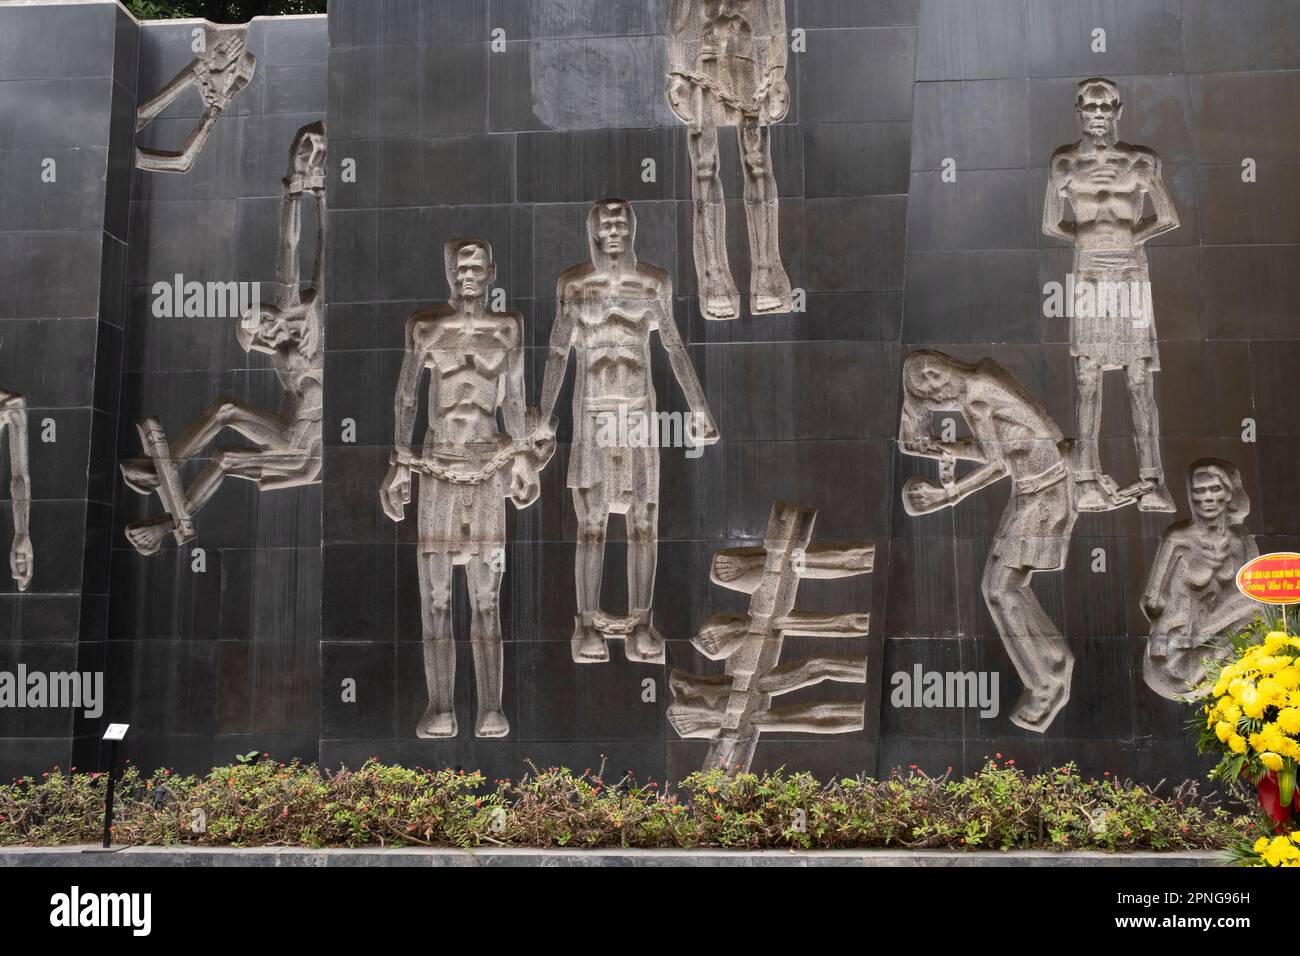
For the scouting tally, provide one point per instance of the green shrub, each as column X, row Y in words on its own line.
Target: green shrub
column 256, row 802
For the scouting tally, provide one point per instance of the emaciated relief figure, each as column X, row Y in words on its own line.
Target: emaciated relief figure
column 219, row 71
column 606, row 310
column 288, row 452
column 467, row 469
column 13, row 418
column 726, row 67
column 1191, row 595
column 1106, row 183
column 1012, row 435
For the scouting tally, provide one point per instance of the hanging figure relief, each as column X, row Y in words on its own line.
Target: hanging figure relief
column 1191, row 594
column 218, row 72
column 466, row 468
column 1107, row 183
column 726, row 67
column 1012, row 436
column 605, row 312
column 13, row 419
column 287, row 452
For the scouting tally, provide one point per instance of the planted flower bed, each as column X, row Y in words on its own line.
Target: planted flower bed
column 257, row 802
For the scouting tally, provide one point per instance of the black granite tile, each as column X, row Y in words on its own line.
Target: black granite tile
column 858, row 76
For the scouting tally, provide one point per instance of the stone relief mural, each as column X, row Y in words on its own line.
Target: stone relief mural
column 218, row 72
column 467, row 468
column 732, row 710
column 287, row 452
column 726, row 67
column 13, row 419
column 1191, row 594
column 1012, row 436
column 1106, row 183
column 605, row 312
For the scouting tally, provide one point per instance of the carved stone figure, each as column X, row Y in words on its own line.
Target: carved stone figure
column 288, row 441
column 1191, row 595
column 726, row 67
column 219, row 71
column 733, row 709
column 606, row 310
column 467, row 469
column 1107, row 183
column 1012, row 436
column 13, row 417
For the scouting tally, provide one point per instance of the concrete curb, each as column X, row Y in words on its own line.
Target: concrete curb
column 85, row 856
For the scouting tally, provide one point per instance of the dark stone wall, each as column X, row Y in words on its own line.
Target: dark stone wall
column 305, row 589
column 62, row 260
column 209, row 663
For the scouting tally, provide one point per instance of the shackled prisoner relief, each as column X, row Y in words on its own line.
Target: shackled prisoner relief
column 726, row 67
column 605, row 312
column 466, row 468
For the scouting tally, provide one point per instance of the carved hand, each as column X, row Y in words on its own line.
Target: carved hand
column 20, row 560
column 702, row 429
column 395, row 493
column 524, row 484
column 680, row 93
column 728, row 567
column 922, row 496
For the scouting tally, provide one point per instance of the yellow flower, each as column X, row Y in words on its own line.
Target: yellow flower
column 1223, row 730
column 1252, row 704
column 1288, row 720
column 1274, row 641
column 1261, row 844
column 1237, row 743
column 1271, row 760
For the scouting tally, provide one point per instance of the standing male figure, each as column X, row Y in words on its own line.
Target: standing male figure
column 606, row 310
column 1106, row 183
column 726, row 67
column 1012, row 435
column 475, row 360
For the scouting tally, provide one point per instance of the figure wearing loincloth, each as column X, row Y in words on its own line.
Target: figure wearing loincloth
column 1107, row 183
column 466, row 470
column 1012, row 436
column 606, row 310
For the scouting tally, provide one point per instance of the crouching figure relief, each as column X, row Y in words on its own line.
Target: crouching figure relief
column 726, row 67
column 1191, row 594
column 287, row 452
column 467, row 468
column 605, row 312
column 1012, row 436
